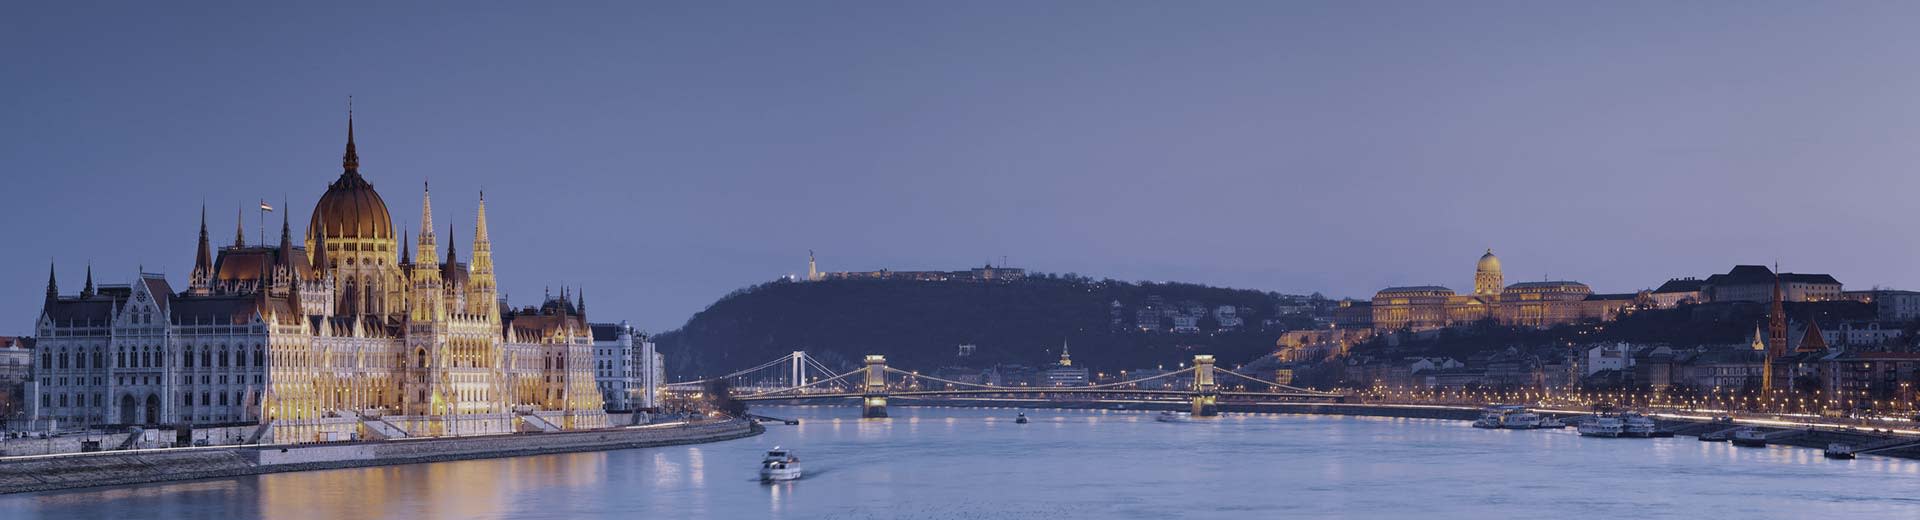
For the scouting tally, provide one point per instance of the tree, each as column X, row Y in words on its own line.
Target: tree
column 719, row 395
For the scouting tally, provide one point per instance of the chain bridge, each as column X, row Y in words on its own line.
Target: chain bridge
column 799, row 377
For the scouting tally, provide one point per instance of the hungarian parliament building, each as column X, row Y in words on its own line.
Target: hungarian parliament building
column 348, row 334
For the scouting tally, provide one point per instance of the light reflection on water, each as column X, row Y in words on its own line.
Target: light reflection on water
column 972, row 463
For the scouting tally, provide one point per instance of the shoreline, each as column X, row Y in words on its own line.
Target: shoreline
column 1681, row 425
column 36, row 473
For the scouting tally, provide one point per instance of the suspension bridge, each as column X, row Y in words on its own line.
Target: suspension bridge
column 799, row 377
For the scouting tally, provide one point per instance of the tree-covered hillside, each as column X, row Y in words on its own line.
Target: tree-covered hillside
column 921, row 324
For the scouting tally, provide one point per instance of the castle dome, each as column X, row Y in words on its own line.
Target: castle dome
column 350, row 209
column 1488, row 263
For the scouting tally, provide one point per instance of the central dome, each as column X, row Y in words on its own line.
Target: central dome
column 1488, row 262
column 350, row 209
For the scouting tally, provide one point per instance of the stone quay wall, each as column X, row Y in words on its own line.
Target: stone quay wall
column 115, row 468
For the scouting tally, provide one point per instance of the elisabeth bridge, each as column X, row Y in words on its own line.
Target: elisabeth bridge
column 798, row 377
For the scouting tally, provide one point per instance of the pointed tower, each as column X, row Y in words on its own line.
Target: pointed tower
column 1066, row 356
column 482, row 290
column 1776, row 335
column 86, row 291
column 200, row 283
column 53, row 286
column 239, row 228
column 813, row 269
column 318, row 257
column 429, row 305
column 284, row 271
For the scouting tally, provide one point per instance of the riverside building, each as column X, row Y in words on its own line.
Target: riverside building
column 1529, row 304
column 344, row 333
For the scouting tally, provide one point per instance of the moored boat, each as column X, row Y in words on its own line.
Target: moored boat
column 1520, row 421
column 1550, row 422
column 1489, row 421
column 1839, row 450
column 1719, row 436
column 1749, row 438
column 1602, row 426
column 1636, row 425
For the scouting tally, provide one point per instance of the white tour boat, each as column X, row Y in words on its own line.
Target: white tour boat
column 1749, row 438
column 1520, row 421
column 1552, row 423
column 779, row 464
column 1488, row 420
column 1602, row 426
column 1639, row 426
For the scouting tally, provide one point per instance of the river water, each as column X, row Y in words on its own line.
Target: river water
column 977, row 463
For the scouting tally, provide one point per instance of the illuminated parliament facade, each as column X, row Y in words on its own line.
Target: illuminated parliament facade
column 1525, row 304
column 345, row 334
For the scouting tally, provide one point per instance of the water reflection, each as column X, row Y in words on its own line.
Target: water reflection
column 961, row 463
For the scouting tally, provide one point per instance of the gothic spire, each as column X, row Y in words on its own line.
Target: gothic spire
column 350, row 162
column 406, row 247
column 286, row 243
column 239, row 228
column 203, row 258
column 53, row 286
column 87, row 290
column 580, row 302
column 319, row 259
column 453, row 248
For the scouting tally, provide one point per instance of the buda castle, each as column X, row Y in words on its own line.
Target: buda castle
column 1526, row 304
column 343, row 333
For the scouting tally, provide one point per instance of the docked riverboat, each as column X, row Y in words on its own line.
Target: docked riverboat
column 1749, row 438
column 1839, row 450
column 1520, row 421
column 1636, row 425
column 1602, row 426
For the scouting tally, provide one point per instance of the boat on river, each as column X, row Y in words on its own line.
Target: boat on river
column 779, row 464
column 1551, row 423
column 1749, row 438
column 1489, row 421
column 1636, row 425
column 1520, row 421
column 1021, row 419
column 1602, row 426
column 1173, row 417
column 1839, row 450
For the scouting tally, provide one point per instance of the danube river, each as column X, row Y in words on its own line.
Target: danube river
column 977, row 463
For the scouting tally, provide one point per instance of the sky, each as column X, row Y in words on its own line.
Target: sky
column 662, row 154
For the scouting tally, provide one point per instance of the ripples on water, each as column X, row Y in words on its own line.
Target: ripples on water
column 976, row 463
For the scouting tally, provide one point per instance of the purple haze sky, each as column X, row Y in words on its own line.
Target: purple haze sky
column 661, row 155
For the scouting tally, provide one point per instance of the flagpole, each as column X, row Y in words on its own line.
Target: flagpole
column 262, row 211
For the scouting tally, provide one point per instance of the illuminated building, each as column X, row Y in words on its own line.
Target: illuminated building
column 1525, row 304
column 346, row 334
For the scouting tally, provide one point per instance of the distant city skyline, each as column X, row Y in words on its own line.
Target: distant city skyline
column 677, row 152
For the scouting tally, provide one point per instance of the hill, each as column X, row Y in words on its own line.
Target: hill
column 921, row 324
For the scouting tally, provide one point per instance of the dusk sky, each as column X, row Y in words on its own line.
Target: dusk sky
column 665, row 155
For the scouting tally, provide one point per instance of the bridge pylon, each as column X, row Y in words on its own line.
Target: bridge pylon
column 1206, row 394
column 874, row 401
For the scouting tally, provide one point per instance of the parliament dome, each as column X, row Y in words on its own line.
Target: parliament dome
column 351, row 209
